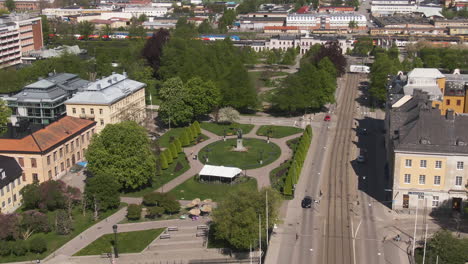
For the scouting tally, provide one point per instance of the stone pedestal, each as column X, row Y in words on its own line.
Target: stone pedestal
column 239, row 144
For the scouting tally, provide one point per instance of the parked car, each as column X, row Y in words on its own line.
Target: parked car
column 327, row 118
column 306, row 202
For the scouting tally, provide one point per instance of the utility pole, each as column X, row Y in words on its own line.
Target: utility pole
column 260, row 238
column 415, row 224
column 425, row 240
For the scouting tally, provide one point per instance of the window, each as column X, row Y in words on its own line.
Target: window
column 408, row 163
column 435, row 201
column 61, row 152
column 407, row 178
column 78, row 155
column 1, row 192
column 447, row 102
column 55, row 155
column 35, row 177
column 438, row 164
column 458, row 102
column 55, row 171
column 436, row 180
column 8, row 188
column 62, row 166
column 100, row 111
column 74, row 110
column 21, row 162
column 422, row 179
column 13, row 185
column 68, row 163
column 9, row 200
column 459, row 165
column 423, row 164
column 66, row 148
column 14, row 197
column 458, row 181
column 3, row 204
column 73, row 147
column 33, row 163
column 87, row 136
column 82, row 139
column 92, row 111
column 82, row 111
column 48, row 160
column 92, row 132
column 101, row 121
column 50, row 174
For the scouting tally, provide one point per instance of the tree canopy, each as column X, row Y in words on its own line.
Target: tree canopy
column 383, row 66
column 5, row 113
column 123, row 151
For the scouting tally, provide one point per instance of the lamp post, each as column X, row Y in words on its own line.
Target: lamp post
column 116, row 251
column 224, row 134
column 261, row 156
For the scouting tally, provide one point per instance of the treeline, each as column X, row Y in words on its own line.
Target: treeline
column 314, row 84
column 276, row 56
column 297, row 162
column 386, row 63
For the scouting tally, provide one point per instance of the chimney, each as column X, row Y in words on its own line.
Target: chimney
column 125, row 74
column 449, row 114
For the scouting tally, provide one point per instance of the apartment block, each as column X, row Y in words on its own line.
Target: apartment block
column 326, row 21
column 50, row 152
column 11, row 182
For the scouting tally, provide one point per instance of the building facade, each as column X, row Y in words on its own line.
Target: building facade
column 42, row 102
column 49, row 152
column 326, row 21
column 11, row 182
column 110, row 100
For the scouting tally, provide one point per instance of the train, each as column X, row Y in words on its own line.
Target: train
column 218, row 37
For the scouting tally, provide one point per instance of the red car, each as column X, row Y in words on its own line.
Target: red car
column 327, row 118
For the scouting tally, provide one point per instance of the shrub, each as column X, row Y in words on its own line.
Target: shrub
column 168, row 156
column 197, row 127
column 134, row 211
column 178, row 145
column 63, row 224
column 5, row 248
column 184, row 139
column 163, row 162
column 152, row 199
column 37, row 245
column 18, row 248
column 173, row 150
column 170, row 206
column 154, row 211
column 178, row 167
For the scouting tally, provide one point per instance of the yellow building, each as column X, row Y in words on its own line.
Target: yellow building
column 427, row 155
column 11, row 182
column 110, row 100
column 49, row 152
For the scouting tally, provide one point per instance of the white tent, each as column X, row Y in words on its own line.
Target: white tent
column 219, row 172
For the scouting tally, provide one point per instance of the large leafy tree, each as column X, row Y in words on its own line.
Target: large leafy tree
column 236, row 218
column 102, row 193
column 382, row 67
column 202, row 96
column 10, row 5
column 5, row 113
column 123, row 151
column 152, row 51
column 10, row 226
column 333, row 51
column 448, row 248
column 85, row 28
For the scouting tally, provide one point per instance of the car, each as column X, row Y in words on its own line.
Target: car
column 361, row 158
column 306, row 202
column 327, row 118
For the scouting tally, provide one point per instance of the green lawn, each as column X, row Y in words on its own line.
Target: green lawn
column 170, row 135
column 127, row 242
column 279, row 131
column 231, row 129
column 167, row 176
column 55, row 241
column 221, row 153
column 192, row 189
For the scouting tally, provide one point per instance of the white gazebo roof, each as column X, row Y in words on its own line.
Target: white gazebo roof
column 220, row 171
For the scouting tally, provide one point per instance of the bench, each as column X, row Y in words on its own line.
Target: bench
column 164, row 236
column 201, row 234
column 173, row 228
column 202, row 227
column 106, row 255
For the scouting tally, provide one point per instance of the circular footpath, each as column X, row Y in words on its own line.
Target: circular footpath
column 258, row 153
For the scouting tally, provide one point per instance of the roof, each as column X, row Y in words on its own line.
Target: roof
column 107, row 90
column 10, row 170
column 425, row 72
column 45, row 139
column 433, row 91
column 220, row 171
column 402, row 101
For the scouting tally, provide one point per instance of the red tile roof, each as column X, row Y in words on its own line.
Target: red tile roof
column 46, row 138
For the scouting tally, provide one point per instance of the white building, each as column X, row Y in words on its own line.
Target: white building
column 325, row 21
column 425, row 79
column 130, row 12
column 64, row 12
column 391, row 9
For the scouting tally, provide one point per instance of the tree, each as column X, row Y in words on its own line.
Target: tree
column 9, row 224
column 333, row 51
column 152, row 51
column 134, row 211
column 38, row 245
column 226, row 20
column 363, row 46
column 102, row 193
column 45, row 29
column 31, row 196
column 178, row 145
column 205, row 27
column 167, row 154
column 52, row 195
column 184, row 139
column 63, row 224
column 5, row 248
column 5, row 113
column 173, row 109
column 10, row 5
column 190, row 134
column 136, row 31
column 18, row 248
column 154, row 211
column 85, row 28
column 228, row 115
column 353, row 25
column 123, row 151
column 169, row 203
column 173, row 150
column 163, row 161
column 202, row 96
column 197, row 127
column 152, row 199
column 448, row 248
column 107, row 30
column 32, row 222
column 142, row 18
column 236, row 218
column 72, row 197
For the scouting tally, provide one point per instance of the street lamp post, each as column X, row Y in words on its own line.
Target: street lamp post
column 261, row 156
column 116, row 251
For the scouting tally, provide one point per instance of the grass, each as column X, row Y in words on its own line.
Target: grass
column 221, row 153
column 192, row 189
column 167, row 176
column 128, row 242
column 278, row 131
column 55, row 241
column 231, row 129
column 255, row 78
column 166, row 139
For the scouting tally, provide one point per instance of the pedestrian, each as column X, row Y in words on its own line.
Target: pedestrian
column 191, row 153
column 297, row 236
